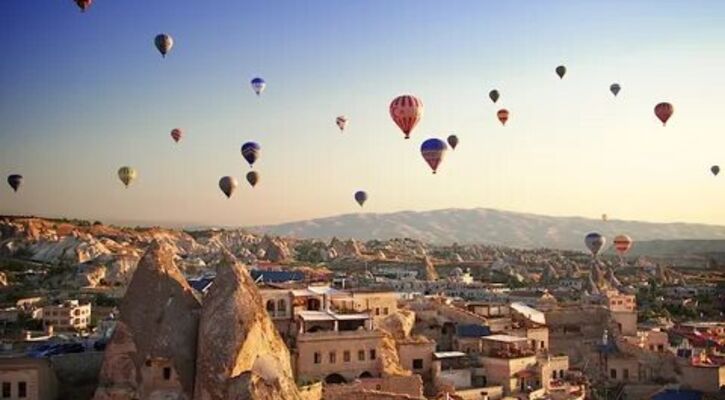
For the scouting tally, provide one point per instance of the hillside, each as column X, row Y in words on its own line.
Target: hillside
column 487, row 226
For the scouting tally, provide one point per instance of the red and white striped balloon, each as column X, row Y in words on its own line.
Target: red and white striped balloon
column 622, row 243
column 406, row 111
column 177, row 134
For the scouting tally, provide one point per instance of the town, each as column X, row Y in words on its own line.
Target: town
column 93, row 311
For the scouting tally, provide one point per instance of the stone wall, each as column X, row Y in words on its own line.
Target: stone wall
column 388, row 388
column 77, row 374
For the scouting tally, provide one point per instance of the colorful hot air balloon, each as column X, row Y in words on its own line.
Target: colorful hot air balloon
column 503, row 115
column 622, row 244
column 227, row 184
column 127, row 175
column 453, row 141
column 594, row 243
column 164, row 43
column 493, row 95
column 83, row 4
column 615, row 88
column 15, row 181
column 341, row 122
column 361, row 197
column 258, row 85
column 406, row 111
column 715, row 170
column 433, row 151
column 664, row 111
column 253, row 178
column 250, row 152
column 177, row 134
column 561, row 71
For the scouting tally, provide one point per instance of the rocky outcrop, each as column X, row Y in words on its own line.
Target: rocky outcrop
column 430, row 271
column 152, row 352
column 275, row 249
column 3, row 279
column 240, row 352
column 348, row 248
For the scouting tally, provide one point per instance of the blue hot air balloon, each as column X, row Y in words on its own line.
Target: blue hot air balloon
column 433, row 151
column 258, row 85
column 250, row 152
column 361, row 197
column 595, row 242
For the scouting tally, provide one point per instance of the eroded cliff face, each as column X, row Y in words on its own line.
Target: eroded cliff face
column 240, row 352
column 152, row 353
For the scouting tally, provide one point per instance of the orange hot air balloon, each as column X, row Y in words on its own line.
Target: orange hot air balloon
column 664, row 111
column 406, row 111
column 622, row 243
column 503, row 115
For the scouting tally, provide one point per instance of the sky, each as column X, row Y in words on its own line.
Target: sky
column 82, row 94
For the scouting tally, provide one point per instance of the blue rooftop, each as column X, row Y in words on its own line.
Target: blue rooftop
column 472, row 330
column 672, row 394
column 277, row 276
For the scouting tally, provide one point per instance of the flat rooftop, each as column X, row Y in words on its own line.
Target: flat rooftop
column 505, row 338
column 439, row 355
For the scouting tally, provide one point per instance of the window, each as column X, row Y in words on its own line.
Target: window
column 281, row 307
column 361, row 355
column 660, row 347
column 346, row 356
column 613, row 373
column 553, row 374
column 270, row 307
column 385, row 311
column 561, row 373
column 377, row 311
column 318, row 358
column 167, row 373
column 543, row 346
column 372, row 354
column 22, row 390
column 333, row 357
column 6, row 390
column 418, row 363
column 625, row 374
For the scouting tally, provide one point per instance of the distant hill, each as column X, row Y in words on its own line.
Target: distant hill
column 493, row 227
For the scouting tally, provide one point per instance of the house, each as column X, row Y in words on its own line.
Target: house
column 69, row 315
column 27, row 378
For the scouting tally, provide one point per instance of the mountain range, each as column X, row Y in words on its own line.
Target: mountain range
column 493, row 227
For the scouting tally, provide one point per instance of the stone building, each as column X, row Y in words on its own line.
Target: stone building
column 69, row 315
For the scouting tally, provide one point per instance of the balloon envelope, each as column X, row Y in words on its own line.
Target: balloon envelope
column 453, row 141
column 250, row 152
column 433, row 151
column 127, row 175
column 664, row 111
column 615, row 88
column 361, row 197
column 493, row 95
column 561, row 71
column 83, row 4
column 406, row 112
column 258, row 85
column 341, row 122
column 715, row 170
column 503, row 115
column 15, row 181
column 594, row 242
column 164, row 43
column 177, row 134
column 253, row 178
column 622, row 244
column 227, row 184
column 605, row 218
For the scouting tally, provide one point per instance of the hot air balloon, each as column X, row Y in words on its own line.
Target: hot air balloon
column 258, row 85
column 615, row 88
column 493, row 95
column 594, row 243
column 83, row 4
column 453, row 141
column 433, row 151
column 561, row 71
column 622, row 244
column 341, row 122
column 361, row 197
column 715, row 170
column 164, row 43
column 253, row 178
column 177, row 134
column 250, row 152
column 664, row 111
column 127, row 175
column 406, row 111
column 227, row 184
column 15, row 181
column 503, row 115
column 605, row 218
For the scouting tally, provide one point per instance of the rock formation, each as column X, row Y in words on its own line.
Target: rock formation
column 240, row 353
column 275, row 249
column 155, row 339
column 430, row 271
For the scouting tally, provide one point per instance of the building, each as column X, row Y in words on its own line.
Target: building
column 70, row 315
column 27, row 378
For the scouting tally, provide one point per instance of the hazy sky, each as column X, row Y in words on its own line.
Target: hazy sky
column 83, row 94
